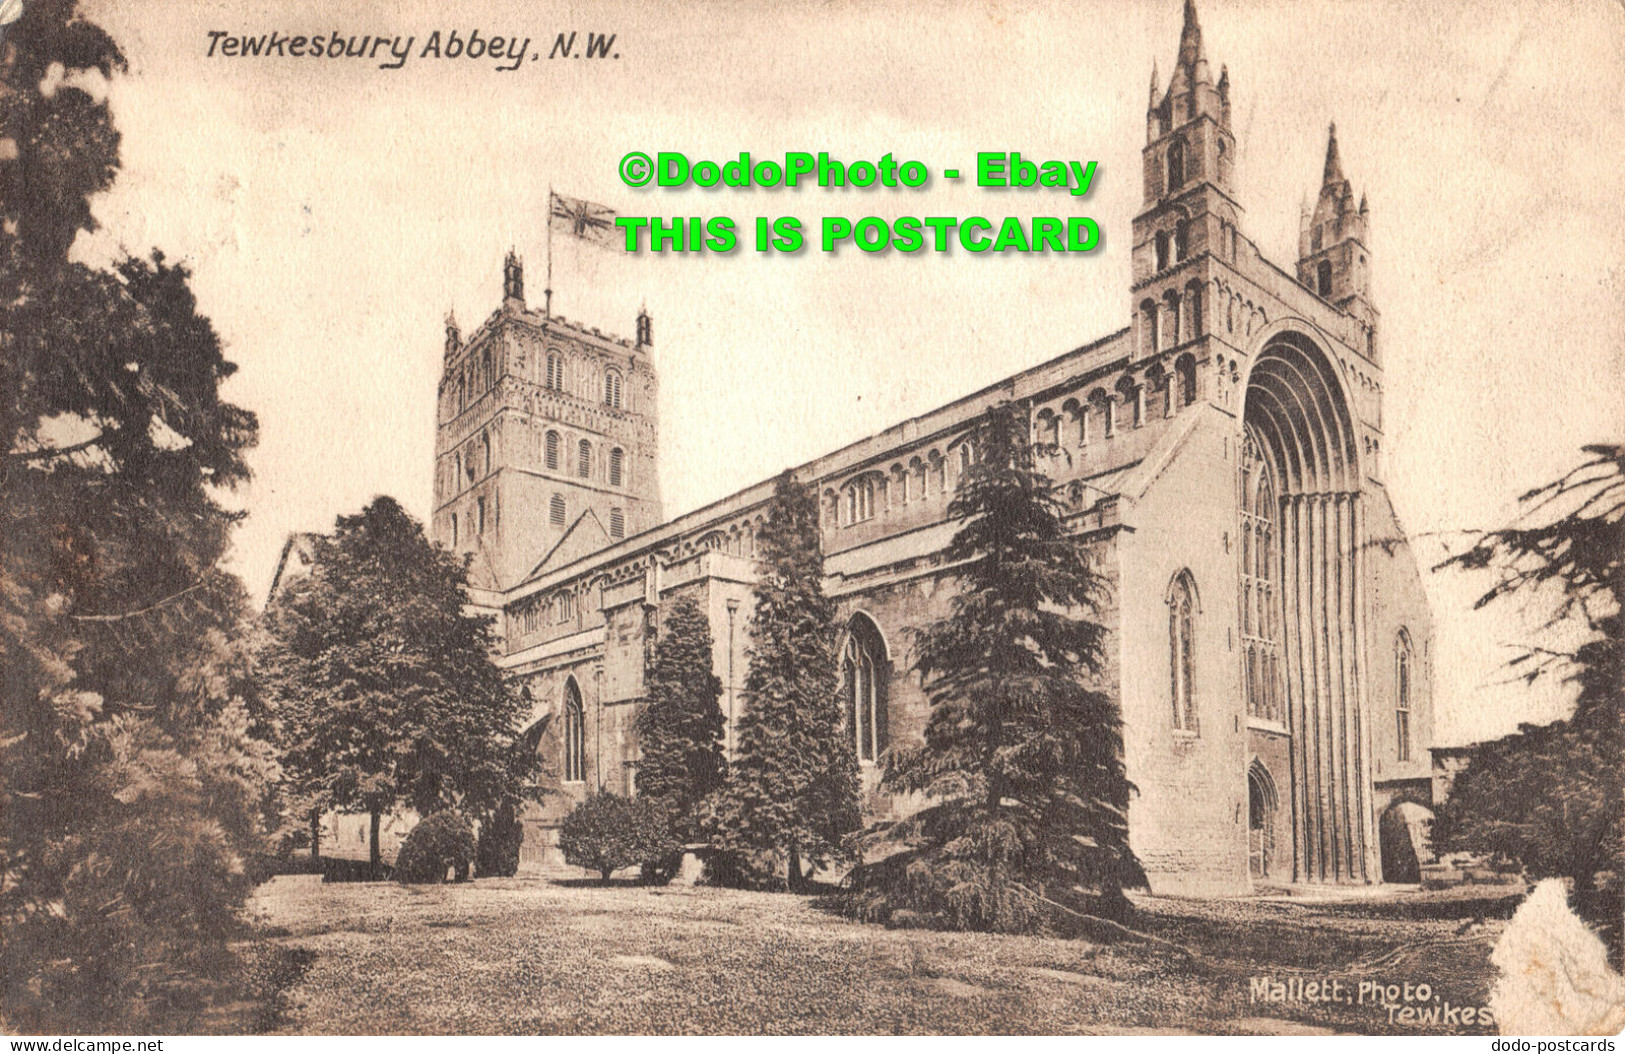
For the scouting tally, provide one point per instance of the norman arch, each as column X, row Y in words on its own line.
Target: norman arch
column 1299, row 435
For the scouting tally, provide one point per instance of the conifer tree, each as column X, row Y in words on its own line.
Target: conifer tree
column 382, row 683
column 792, row 789
column 680, row 729
column 1021, row 763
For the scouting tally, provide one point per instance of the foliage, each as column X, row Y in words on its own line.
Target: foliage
column 440, row 843
column 793, row 786
column 501, row 835
column 680, row 729
column 607, row 832
column 382, row 683
column 135, row 787
column 1021, row 763
column 1550, row 797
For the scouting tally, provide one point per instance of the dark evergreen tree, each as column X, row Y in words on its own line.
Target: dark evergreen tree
column 680, row 728
column 607, row 832
column 383, row 685
column 131, row 804
column 1022, row 761
column 1553, row 797
column 792, row 789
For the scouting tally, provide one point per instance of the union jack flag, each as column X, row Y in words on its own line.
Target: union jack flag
column 582, row 219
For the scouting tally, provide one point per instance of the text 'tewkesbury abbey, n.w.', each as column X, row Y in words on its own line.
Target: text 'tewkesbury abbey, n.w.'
column 505, row 52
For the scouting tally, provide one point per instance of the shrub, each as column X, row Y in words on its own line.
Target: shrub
column 500, row 838
column 607, row 832
column 443, row 841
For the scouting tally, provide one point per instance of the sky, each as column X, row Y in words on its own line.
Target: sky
column 333, row 212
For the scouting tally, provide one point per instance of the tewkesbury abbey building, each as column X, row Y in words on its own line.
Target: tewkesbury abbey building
column 1222, row 455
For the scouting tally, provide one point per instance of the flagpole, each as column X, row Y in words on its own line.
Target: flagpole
column 547, row 303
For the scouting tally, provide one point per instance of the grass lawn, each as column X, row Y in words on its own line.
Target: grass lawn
column 532, row 956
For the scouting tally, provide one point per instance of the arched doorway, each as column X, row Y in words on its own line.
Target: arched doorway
column 1302, row 598
column 1262, row 804
column 1405, row 830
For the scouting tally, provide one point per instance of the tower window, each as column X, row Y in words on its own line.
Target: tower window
column 1176, row 164
column 612, row 389
column 1402, row 695
column 555, row 371
column 615, row 459
column 1182, row 240
column 454, row 530
column 551, row 451
column 1323, row 278
column 1162, row 250
column 480, row 507
column 485, row 453
column 583, row 459
column 555, row 510
column 617, row 523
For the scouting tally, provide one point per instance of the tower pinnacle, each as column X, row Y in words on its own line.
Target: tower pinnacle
column 1334, row 163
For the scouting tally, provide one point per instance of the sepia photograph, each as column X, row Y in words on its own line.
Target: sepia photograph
column 962, row 517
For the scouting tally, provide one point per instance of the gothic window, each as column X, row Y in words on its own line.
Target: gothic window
column 550, row 455
column 612, row 389
column 1323, row 278
column 617, row 523
column 555, row 510
column 1402, row 695
column 485, row 454
column 462, row 395
column 1181, row 650
column 615, row 458
column 575, row 735
column 583, row 459
column 1176, row 164
column 480, row 507
column 555, row 371
column 1259, row 623
column 487, row 375
column 863, row 687
column 1182, row 240
column 1162, row 250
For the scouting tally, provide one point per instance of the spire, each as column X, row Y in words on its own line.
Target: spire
column 1334, row 164
column 1364, row 209
column 1190, row 38
column 1154, row 100
column 1224, row 82
column 454, row 336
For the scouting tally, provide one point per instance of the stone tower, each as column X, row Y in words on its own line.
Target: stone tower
column 1334, row 244
column 547, row 439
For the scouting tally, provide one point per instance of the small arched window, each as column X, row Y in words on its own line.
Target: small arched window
column 485, row 453
column 488, row 376
column 1185, row 371
column 1182, row 240
column 457, row 477
column 1151, row 324
column 554, row 378
column 1402, row 695
column 462, row 395
column 1323, row 278
column 555, row 510
column 863, row 687
column 479, row 508
column 967, row 456
column 1170, row 308
column 454, row 530
column 615, row 459
column 575, row 735
column 1176, row 164
column 1193, row 309
column 1162, row 250
column 550, row 455
column 583, row 459
column 612, row 389
column 1182, row 650
column 860, row 500
column 617, row 523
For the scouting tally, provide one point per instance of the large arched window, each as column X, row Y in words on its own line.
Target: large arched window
column 550, row 451
column 1260, row 625
column 864, row 672
column 1182, row 650
column 575, row 734
column 1403, row 661
column 612, row 389
column 615, row 459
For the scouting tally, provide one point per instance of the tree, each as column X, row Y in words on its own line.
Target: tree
column 1551, row 796
column 792, row 789
column 1022, row 763
column 382, row 683
column 442, row 842
column 607, row 832
column 135, row 781
column 680, row 729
